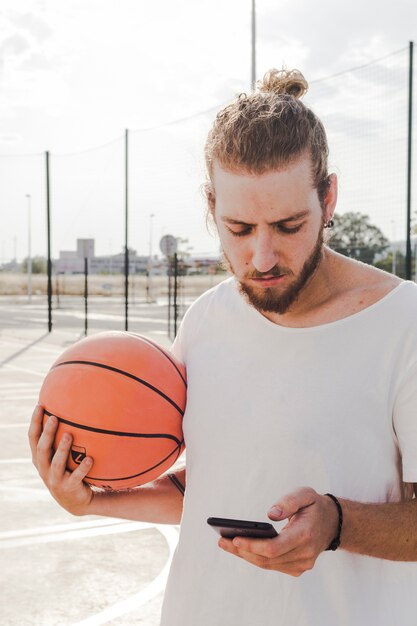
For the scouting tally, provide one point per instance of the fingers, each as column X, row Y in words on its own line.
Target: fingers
column 35, row 430
column 255, row 559
column 60, row 458
column 293, row 563
column 81, row 471
column 289, row 504
column 44, row 448
column 281, row 547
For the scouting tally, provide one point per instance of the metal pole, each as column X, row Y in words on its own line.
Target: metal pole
column 415, row 262
column 85, row 295
column 126, row 230
column 175, row 293
column 394, row 249
column 169, row 260
column 409, row 154
column 49, row 261
column 253, row 68
column 29, row 252
column 149, row 272
column 57, row 290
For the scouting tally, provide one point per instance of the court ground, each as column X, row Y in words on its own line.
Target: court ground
column 57, row 569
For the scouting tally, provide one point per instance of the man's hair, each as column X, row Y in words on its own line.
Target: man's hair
column 268, row 129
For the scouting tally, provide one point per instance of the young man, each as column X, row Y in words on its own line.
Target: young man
column 302, row 400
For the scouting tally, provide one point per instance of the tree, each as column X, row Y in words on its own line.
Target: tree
column 387, row 264
column 353, row 235
column 38, row 265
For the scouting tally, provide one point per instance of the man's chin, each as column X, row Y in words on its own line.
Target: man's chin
column 268, row 299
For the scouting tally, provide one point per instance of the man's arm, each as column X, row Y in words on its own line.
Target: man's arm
column 159, row 502
column 386, row 531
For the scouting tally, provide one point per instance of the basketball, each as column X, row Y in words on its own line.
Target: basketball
column 122, row 398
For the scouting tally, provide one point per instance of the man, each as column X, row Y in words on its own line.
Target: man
column 302, row 399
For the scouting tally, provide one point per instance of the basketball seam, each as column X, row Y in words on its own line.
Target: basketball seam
column 162, row 351
column 115, row 369
column 117, row 433
column 140, row 473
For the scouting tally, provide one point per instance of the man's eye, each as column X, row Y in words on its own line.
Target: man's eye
column 289, row 231
column 240, row 233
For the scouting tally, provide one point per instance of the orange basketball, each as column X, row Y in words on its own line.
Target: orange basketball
column 122, row 398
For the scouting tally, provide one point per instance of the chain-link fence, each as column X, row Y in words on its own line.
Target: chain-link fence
column 365, row 112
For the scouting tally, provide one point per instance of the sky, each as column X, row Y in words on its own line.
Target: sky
column 75, row 74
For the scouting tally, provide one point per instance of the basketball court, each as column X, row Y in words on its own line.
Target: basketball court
column 57, row 569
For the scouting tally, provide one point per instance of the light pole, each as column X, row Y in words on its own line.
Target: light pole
column 394, row 249
column 253, row 47
column 149, row 285
column 29, row 252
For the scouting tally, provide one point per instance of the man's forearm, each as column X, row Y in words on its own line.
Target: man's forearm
column 386, row 531
column 159, row 502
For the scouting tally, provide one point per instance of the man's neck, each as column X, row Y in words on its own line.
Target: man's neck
column 339, row 288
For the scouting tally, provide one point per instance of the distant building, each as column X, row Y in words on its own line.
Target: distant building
column 72, row 261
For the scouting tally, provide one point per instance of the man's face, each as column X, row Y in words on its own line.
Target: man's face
column 271, row 231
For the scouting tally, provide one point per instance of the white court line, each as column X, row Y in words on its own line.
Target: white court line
column 7, row 426
column 70, row 535
column 14, row 489
column 25, row 370
column 156, row 587
column 15, row 344
column 42, row 530
column 12, row 394
column 22, row 396
column 14, row 386
column 15, row 461
column 110, row 317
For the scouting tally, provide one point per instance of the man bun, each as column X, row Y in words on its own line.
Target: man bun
column 290, row 82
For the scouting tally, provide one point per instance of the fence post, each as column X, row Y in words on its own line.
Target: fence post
column 409, row 155
column 175, row 293
column 48, row 237
column 85, row 295
column 126, row 229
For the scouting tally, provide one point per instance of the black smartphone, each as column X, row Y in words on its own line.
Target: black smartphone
column 231, row 528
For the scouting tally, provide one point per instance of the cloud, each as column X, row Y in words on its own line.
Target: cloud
column 9, row 138
column 335, row 33
column 14, row 45
column 20, row 46
column 33, row 24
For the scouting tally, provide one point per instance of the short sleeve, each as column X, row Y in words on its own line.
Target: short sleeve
column 405, row 424
column 177, row 348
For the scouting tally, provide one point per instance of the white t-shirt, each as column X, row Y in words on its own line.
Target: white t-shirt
column 271, row 409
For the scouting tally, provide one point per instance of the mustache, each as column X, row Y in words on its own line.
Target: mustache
column 274, row 271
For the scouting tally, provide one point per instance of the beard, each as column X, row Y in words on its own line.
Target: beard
column 265, row 299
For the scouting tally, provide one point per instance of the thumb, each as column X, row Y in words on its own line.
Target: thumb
column 289, row 504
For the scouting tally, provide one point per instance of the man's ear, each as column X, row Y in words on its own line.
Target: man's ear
column 330, row 200
column 209, row 195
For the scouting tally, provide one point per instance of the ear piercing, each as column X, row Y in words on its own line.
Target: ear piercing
column 329, row 224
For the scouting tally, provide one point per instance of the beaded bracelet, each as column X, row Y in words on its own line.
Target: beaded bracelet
column 336, row 541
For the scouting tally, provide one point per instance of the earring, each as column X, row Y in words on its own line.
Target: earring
column 329, row 224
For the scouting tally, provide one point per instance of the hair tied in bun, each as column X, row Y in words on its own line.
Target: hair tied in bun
column 289, row 82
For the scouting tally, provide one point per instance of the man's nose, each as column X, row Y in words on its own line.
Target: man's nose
column 265, row 255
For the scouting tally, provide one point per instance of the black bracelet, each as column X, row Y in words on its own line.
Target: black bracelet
column 177, row 483
column 336, row 541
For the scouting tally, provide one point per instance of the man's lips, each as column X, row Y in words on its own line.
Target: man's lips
column 268, row 281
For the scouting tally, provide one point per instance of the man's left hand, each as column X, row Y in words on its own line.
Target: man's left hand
column 312, row 525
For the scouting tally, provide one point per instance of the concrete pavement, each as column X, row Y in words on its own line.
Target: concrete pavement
column 57, row 569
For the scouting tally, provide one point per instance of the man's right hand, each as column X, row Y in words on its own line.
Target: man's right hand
column 66, row 487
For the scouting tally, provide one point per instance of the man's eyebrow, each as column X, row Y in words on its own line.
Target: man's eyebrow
column 290, row 218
